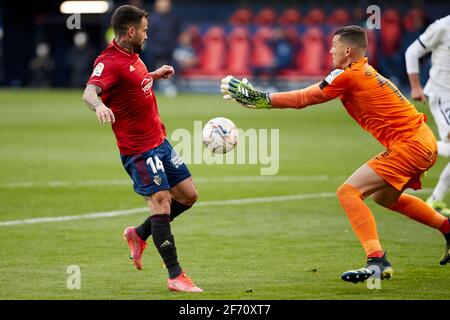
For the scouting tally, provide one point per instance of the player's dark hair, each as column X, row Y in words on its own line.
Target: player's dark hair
column 353, row 35
column 124, row 16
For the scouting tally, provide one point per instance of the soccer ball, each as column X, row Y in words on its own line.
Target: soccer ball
column 220, row 135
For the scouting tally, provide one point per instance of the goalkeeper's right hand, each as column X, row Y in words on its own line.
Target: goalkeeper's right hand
column 244, row 93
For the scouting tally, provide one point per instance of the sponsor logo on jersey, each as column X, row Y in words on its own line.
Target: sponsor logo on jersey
column 146, row 84
column 177, row 161
column 98, row 70
column 333, row 75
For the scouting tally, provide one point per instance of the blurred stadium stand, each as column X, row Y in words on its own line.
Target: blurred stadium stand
column 220, row 38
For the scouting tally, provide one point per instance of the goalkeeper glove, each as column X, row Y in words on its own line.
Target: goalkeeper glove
column 244, row 93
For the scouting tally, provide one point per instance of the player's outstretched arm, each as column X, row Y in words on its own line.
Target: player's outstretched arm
column 163, row 72
column 244, row 93
column 90, row 97
column 298, row 99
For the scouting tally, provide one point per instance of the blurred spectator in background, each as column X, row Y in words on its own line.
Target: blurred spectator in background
column 239, row 38
column 389, row 58
column 41, row 67
column 282, row 48
column 163, row 30
column 282, row 58
column 185, row 55
column 79, row 60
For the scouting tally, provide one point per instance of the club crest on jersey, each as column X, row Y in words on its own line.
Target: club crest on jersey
column 157, row 180
column 146, row 84
column 98, row 70
column 333, row 75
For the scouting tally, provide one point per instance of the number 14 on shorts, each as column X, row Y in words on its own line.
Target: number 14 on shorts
column 155, row 164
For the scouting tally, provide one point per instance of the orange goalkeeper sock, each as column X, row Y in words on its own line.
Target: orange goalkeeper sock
column 416, row 209
column 361, row 219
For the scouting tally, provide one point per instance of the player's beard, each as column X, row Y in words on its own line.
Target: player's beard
column 138, row 47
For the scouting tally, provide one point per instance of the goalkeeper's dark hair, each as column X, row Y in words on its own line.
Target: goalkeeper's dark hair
column 352, row 35
column 126, row 16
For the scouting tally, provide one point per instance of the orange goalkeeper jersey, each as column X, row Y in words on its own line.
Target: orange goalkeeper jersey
column 374, row 102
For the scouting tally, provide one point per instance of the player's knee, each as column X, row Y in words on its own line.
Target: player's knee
column 341, row 192
column 163, row 207
column 161, row 203
column 345, row 192
column 190, row 198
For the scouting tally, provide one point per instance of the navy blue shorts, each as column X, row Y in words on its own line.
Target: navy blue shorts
column 155, row 170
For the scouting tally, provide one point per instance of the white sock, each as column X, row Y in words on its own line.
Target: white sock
column 443, row 184
column 443, row 149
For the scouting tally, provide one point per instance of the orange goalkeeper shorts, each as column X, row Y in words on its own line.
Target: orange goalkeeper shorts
column 403, row 164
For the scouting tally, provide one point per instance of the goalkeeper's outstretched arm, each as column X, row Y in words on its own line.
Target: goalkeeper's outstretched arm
column 244, row 93
column 299, row 98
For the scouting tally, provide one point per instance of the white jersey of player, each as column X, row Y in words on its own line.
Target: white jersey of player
column 436, row 39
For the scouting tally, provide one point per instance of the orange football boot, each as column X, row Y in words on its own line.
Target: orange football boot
column 136, row 245
column 182, row 283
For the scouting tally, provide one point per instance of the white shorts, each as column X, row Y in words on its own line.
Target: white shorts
column 440, row 109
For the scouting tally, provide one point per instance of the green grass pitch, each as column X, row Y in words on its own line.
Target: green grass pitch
column 293, row 249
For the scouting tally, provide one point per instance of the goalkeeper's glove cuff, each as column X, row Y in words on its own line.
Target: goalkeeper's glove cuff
column 263, row 101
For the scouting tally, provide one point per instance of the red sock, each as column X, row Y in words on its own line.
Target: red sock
column 376, row 254
column 445, row 228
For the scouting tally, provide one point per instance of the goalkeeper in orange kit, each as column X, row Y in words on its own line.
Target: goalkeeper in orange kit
column 380, row 108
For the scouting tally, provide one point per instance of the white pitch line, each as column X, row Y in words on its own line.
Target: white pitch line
column 199, row 180
column 127, row 182
column 75, row 217
column 97, row 215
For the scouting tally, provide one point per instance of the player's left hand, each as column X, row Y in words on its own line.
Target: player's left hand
column 244, row 93
column 163, row 72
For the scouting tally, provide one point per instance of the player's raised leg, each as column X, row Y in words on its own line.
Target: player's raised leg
column 165, row 243
column 416, row 209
